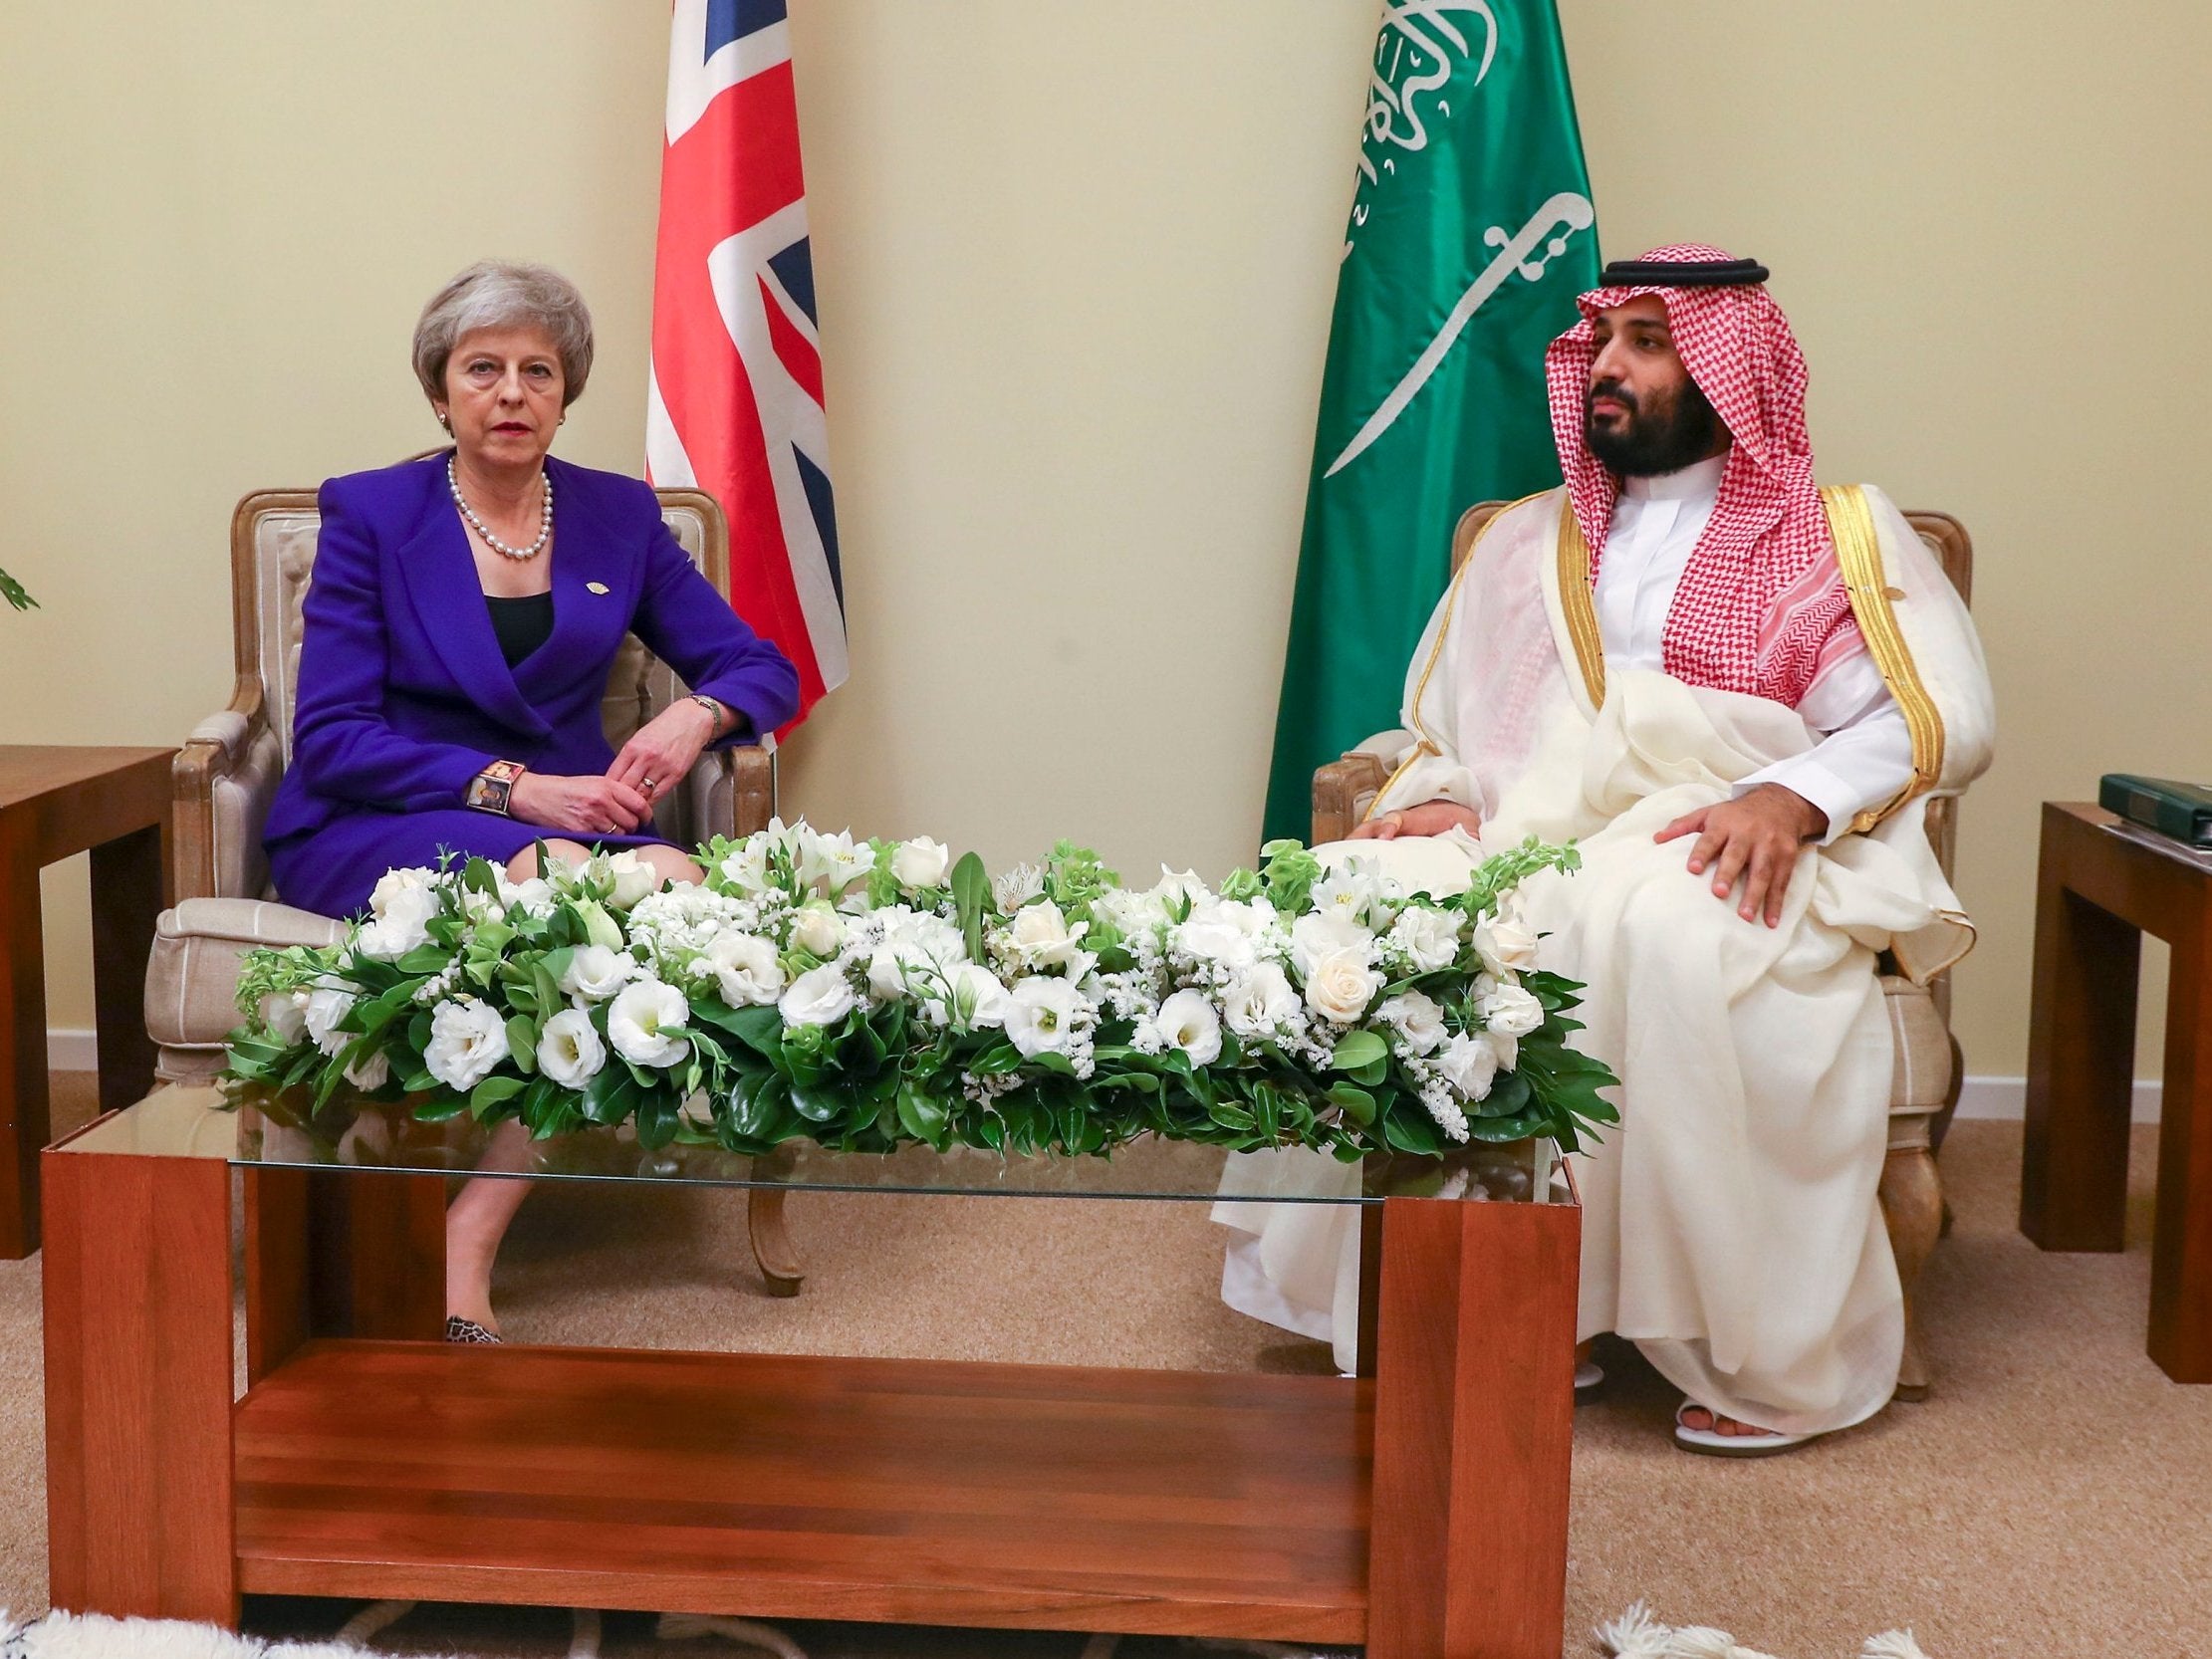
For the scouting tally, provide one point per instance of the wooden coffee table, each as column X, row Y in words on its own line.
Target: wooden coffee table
column 56, row 801
column 1419, row 1509
column 2100, row 887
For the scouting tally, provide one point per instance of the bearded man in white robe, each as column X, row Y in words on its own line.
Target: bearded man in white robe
column 1737, row 692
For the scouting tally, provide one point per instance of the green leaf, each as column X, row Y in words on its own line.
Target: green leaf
column 1357, row 1104
column 971, row 900
column 491, row 1091
column 522, row 1043
column 921, row 1117
column 1356, row 1050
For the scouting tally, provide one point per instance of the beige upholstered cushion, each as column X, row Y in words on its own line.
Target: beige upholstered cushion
column 192, row 976
column 1922, row 1082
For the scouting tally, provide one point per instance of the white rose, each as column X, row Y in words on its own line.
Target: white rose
column 326, row 1006
column 568, row 1048
column 1187, row 1021
column 1505, row 944
column 979, row 1000
column 817, row 929
column 1261, row 1003
column 1044, row 1015
column 1178, row 887
column 633, row 879
column 1132, row 913
column 1418, row 1019
column 1339, row 984
column 467, row 1039
column 1469, row 1065
column 596, row 972
column 819, row 997
column 1429, row 939
column 1511, row 1011
column 370, row 1072
column 644, row 1023
column 921, row 862
column 745, row 967
column 285, row 1014
column 1041, row 937
column 532, row 898
column 1218, row 931
column 1325, row 933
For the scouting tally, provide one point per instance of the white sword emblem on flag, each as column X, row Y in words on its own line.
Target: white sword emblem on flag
column 1527, row 251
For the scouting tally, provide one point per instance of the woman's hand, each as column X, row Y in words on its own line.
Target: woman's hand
column 664, row 750
column 1430, row 818
column 581, row 806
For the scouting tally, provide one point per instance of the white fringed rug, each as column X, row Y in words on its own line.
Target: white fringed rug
column 95, row 1636
column 1637, row 1636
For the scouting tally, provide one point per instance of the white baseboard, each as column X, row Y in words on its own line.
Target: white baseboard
column 2007, row 1098
column 70, row 1049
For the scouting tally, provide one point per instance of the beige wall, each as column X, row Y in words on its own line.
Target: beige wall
column 1075, row 264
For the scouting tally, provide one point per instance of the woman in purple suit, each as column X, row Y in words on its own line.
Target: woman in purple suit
column 457, row 648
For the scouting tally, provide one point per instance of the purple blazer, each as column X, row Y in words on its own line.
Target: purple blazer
column 404, row 695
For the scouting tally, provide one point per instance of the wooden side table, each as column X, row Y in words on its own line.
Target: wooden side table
column 2099, row 891
column 54, row 802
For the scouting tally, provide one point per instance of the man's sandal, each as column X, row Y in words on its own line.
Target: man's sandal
column 1712, row 1443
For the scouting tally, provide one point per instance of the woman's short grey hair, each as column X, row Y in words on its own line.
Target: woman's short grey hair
column 499, row 294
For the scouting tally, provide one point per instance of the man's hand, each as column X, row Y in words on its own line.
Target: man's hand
column 1755, row 838
column 581, row 806
column 1430, row 818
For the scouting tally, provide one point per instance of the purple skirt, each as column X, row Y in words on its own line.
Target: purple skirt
column 333, row 869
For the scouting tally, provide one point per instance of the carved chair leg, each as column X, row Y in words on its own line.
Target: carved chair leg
column 772, row 1251
column 1912, row 1208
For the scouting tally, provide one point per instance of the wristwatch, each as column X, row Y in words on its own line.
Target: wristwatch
column 492, row 789
column 715, row 711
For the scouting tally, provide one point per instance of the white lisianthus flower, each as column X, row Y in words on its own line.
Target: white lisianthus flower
column 917, row 951
column 1340, row 985
column 1132, row 913
column 1428, row 940
column 645, row 1023
column 328, row 1003
column 467, row 1039
column 1506, row 944
column 1220, row 930
column 568, row 1048
column 392, row 884
column 819, row 997
column 1328, row 933
column 532, row 898
column 979, row 1000
column 285, row 1014
column 1469, row 1064
column 1261, row 1003
column 634, row 878
column 817, row 929
column 920, row 862
column 1187, row 1021
column 746, row 968
column 403, row 924
column 595, row 972
column 1415, row 1018
column 370, row 1072
column 1510, row 1011
column 1045, row 1016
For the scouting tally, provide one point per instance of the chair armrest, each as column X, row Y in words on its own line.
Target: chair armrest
column 191, row 998
column 217, row 749
column 731, row 791
column 1342, row 790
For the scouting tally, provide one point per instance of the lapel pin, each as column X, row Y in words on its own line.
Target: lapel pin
column 594, row 587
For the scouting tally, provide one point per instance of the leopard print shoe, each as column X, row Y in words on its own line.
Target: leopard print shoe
column 458, row 1329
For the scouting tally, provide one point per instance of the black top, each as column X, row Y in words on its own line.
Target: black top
column 522, row 624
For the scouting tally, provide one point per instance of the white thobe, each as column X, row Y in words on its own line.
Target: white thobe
column 1864, row 757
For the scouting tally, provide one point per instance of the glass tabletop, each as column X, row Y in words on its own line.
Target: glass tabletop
column 253, row 1129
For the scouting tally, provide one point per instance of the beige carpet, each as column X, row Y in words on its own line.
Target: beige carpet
column 2049, row 1500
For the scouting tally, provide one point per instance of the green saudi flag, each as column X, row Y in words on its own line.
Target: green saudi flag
column 1471, row 233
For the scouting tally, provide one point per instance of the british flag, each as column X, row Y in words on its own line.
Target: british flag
column 735, row 402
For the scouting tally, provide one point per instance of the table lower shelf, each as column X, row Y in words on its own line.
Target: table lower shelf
column 908, row 1490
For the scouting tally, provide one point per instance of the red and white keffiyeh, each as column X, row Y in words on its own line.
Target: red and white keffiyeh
column 1760, row 607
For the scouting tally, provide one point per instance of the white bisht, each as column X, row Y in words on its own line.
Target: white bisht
column 1730, row 1221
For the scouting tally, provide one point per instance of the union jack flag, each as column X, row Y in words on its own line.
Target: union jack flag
column 735, row 402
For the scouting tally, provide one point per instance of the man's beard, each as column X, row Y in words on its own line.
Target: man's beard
column 1664, row 438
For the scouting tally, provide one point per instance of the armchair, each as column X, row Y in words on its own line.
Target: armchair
column 1929, row 1071
column 225, row 778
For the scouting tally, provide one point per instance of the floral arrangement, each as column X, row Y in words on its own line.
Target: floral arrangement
column 869, row 994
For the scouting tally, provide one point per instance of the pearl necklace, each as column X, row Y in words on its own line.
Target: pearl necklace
column 545, row 527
